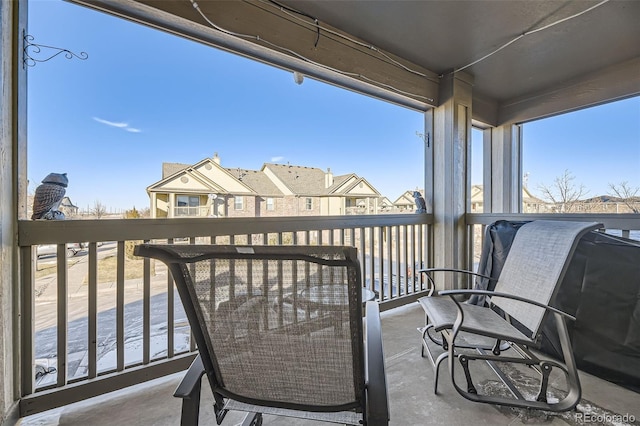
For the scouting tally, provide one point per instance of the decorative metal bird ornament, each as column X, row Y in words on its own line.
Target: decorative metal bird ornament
column 46, row 200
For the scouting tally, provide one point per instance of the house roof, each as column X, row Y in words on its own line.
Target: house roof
column 257, row 180
column 354, row 186
column 272, row 180
column 204, row 176
column 299, row 180
column 171, row 168
column 407, row 198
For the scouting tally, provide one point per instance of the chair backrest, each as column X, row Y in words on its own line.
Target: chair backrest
column 275, row 326
column 535, row 266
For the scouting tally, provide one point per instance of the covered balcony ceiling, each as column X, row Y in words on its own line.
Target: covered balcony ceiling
column 525, row 59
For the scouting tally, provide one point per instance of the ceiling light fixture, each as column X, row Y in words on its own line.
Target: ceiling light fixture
column 298, row 77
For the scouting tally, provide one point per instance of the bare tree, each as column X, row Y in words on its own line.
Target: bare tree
column 564, row 193
column 628, row 195
column 98, row 209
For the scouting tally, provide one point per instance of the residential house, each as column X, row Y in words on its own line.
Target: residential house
column 530, row 203
column 406, row 202
column 66, row 206
column 207, row 189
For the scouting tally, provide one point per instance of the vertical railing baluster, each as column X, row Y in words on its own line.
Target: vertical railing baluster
column 212, row 296
column 170, row 312
column 146, row 309
column 405, row 267
column 381, row 244
column 120, row 336
column 420, row 255
column 62, row 322
column 397, row 256
column 92, row 320
column 414, row 260
column 27, row 352
column 470, row 241
column 393, row 260
column 265, row 290
column 363, row 254
column 393, row 241
column 280, row 281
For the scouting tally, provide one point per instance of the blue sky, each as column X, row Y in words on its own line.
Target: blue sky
column 144, row 97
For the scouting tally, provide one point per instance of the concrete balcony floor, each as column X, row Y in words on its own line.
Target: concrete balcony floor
column 411, row 397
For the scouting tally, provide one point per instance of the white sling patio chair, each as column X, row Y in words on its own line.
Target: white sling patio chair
column 265, row 348
column 533, row 271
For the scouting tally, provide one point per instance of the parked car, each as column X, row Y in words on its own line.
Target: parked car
column 51, row 249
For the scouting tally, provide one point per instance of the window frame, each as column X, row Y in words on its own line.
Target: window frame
column 238, row 202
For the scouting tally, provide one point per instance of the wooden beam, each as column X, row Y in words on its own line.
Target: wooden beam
column 266, row 33
column 613, row 83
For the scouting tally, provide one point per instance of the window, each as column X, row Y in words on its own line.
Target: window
column 270, row 205
column 238, row 202
column 187, row 205
column 308, row 205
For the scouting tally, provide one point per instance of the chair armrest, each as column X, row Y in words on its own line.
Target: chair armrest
column 377, row 399
column 432, row 284
column 452, row 293
column 191, row 381
column 463, row 271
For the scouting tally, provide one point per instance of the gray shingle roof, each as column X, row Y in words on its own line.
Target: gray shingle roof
column 170, row 168
column 300, row 179
column 256, row 180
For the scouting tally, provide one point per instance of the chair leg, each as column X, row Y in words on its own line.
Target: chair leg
column 439, row 360
column 191, row 409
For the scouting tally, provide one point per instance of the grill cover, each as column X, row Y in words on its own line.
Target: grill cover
column 601, row 289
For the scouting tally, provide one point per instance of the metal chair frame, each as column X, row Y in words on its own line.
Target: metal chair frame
column 504, row 328
column 367, row 343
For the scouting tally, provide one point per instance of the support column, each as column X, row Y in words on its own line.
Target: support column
column 154, row 205
column 13, row 196
column 504, row 189
column 450, row 125
column 172, row 204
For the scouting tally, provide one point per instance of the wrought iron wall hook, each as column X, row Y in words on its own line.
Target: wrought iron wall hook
column 30, row 48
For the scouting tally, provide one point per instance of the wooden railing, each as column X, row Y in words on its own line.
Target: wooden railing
column 103, row 320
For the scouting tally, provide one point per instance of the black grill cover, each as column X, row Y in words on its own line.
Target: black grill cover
column 601, row 289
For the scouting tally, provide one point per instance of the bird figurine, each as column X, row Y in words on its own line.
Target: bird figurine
column 421, row 206
column 48, row 196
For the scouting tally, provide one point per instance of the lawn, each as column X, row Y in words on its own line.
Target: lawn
column 107, row 269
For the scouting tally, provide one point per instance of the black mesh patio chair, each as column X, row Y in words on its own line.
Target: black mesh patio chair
column 279, row 331
column 508, row 328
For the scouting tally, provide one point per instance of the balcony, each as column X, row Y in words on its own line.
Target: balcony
column 410, row 381
column 135, row 322
column 192, row 211
column 79, row 348
column 101, row 320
